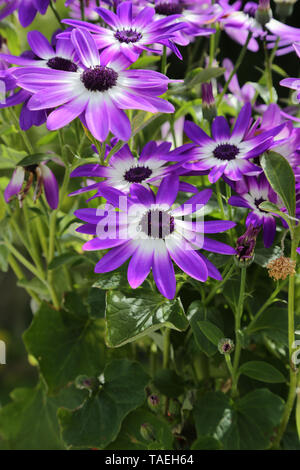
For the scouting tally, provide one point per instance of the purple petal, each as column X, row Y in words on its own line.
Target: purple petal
column 220, row 129
column 15, row 184
column 168, row 190
column 115, row 257
column 86, row 47
column 50, row 186
column 269, row 232
column 242, row 122
column 217, row 247
column 97, row 244
column 163, row 270
column 139, row 266
column 40, row 45
column 187, row 259
column 194, row 203
column 196, row 134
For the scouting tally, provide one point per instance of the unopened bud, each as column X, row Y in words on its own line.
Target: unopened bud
column 284, row 8
column 147, row 432
column 208, row 102
column 263, row 13
column 245, row 246
column 226, row 346
column 153, row 401
column 281, row 267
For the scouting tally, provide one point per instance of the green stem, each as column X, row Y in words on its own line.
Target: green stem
column 219, row 285
column 220, row 200
column 82, row 10
column 56, row 14
column 268, row 66
column 291, row 335
column 34, row 250
column 166, row 358
column 238, row 345
column 164, row 61
column 24, row 261
column 20, row 276
column 236, row 67
column 22, row 133
column 268, row 302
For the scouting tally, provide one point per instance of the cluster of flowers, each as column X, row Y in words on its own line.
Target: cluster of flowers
column 85, row 73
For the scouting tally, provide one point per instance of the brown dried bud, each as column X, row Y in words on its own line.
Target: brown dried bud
column 281, row 267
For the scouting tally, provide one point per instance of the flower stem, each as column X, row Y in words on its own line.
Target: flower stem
column 219, row 285
column 220, row 201
column 238, row 345
column 291, row 336
column 56, row 14
column 166, row 358
column 20, row 276
column 236, row 67
column 164, row 61
column 23, row 134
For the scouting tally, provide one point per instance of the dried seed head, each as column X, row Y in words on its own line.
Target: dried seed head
column 281, row 267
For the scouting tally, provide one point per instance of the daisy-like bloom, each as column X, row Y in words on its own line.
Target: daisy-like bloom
column 42, row 54
column 27, row 9
column 19, row 185
column 128, row 34
column 124, row 169
column 227, row 153
column 152, row 234
column 252, row 191
column 293, row 83
column 195, row 15
column 97, row 92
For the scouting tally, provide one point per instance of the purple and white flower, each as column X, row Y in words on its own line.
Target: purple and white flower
column 124, row 169
column 152, row 234
column 19, row 186
column 130, row 34
column 227, row 153
column 97, row 92
column 252, row 191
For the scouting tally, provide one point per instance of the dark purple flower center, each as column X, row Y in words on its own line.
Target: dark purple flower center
column 99, row 78
column 226, row 152
column 128, row 35
column 226, row 347
column 168, row 8
column 157, row 224
column 137, row 174
column 59, row 63
column 257, row 202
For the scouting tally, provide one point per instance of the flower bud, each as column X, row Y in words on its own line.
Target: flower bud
column 147, row 432
column 281, row 267
column 245, row 246
column 225, row 346
column 263, row 13
column 208, row 102
column 153, row 402
column 284, row 8
column 83, row 382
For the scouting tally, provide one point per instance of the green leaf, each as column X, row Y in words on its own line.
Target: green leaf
column 270, row 207
column 29, row 422
column 282, row 179
column 274, row 323
column 262, row 371
column 34, row 159
column 206, row 443
column 67, row 258
column 211, row 331
column 169, row 383
column 195, row 314
column 263, row 256
column 9, row 32
column 248, row 425
column 9, row 157
column 205, row 75
column 133, row 314
column 98, row 421
column 4, row 253
column 145, row 62
column 113, row 280
column 65, row 344
column 130, row 437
